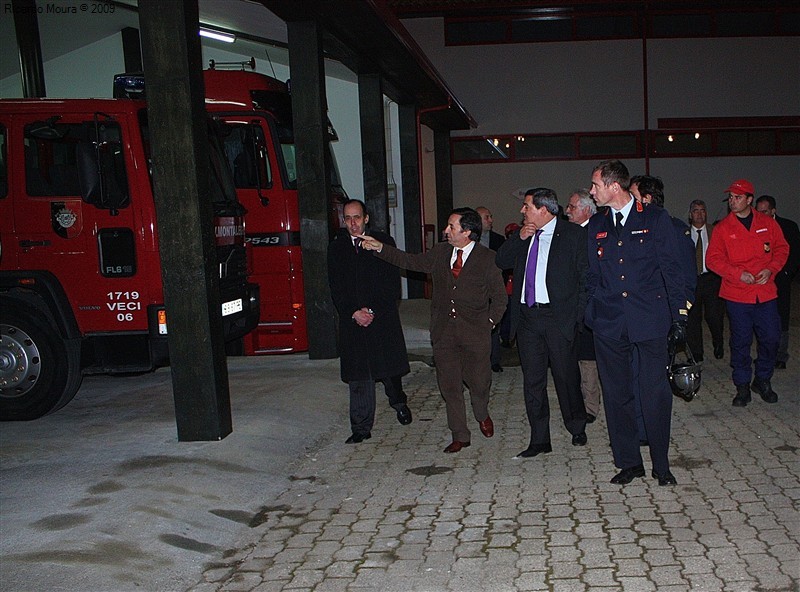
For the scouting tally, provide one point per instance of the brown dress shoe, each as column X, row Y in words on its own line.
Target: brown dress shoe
column 487, row 427
column 456, row 446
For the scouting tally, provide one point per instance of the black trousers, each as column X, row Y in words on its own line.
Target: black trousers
column 708, row 304
column 617, row 361
column 362, row 401
column 540, row 341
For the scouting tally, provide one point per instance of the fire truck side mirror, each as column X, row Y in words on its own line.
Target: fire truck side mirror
column 97, row 176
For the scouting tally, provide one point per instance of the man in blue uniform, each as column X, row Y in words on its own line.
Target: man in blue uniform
column 636, row 306
column 650, row 191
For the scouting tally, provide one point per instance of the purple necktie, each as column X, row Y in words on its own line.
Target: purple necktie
column 530, row 271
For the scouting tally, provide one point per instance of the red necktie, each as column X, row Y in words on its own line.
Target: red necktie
column 457, row 264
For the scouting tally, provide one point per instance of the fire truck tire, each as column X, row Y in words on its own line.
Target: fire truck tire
column 39, row 374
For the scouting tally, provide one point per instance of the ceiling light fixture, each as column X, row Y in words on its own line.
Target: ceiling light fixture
column 218, row 35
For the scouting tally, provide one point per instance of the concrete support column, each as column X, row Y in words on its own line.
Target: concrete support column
column 26, row 27
column 444, row 178
column 373, row 150
column 309, row 111
column 178, row 136
column 412, row 204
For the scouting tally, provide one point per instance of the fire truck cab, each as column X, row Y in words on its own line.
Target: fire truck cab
column 260, row 149
column 80, row 273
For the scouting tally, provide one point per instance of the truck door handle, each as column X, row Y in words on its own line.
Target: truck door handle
column 32, row 243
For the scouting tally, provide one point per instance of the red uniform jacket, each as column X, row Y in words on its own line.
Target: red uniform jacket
column 733, row 249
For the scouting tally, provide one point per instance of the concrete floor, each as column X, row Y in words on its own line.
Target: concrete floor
column 100, row 496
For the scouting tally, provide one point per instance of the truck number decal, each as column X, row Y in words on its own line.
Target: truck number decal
column 121, row 303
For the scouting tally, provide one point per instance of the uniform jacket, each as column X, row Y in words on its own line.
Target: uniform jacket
column 478, row 295
column 358, row 280
column 636, row 282
column 733, row 249
column 565, row 275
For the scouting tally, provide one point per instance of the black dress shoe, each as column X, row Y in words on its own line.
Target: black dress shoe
column 356, row 438
column 404, row 415
column 625, row 476
column 534, row 450
column 579, row 439
column 718, row 351
column 780, row 365
column 665, row 478
column 590, row 418
column 497, row 368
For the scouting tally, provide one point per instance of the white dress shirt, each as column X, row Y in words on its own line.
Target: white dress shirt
column 464, row 255
column 706, row 238
column 545, row 240
column 626, row 209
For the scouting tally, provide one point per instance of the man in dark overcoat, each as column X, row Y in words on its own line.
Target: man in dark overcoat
column 365, row 291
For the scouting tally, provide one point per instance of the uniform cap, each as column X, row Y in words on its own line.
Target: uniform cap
column 741, row 187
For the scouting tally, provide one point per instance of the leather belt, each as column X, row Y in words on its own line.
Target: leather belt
column 540, row 305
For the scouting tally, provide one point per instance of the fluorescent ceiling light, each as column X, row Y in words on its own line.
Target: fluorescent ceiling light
column 218, row 35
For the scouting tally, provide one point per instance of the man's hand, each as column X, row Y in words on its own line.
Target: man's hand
column 748, row 278
column 763, row 276
column 676, row 337
column 528, row 229
column 370, row 243
column 364, row 317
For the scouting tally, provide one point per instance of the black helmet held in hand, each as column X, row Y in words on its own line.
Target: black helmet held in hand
column 685, row 379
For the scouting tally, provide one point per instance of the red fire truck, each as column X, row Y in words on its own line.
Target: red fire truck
column 260, row 148
column 80, row 275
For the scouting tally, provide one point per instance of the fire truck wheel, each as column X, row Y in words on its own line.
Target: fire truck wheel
column 38, row 374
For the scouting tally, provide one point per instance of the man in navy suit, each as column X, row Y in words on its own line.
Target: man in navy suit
column 548, row 256
column 636, row 306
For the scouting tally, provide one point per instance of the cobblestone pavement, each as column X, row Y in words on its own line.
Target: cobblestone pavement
column 396, row 514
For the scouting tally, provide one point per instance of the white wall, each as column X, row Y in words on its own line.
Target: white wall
column 598, row 86
column 729, row 77
column 344, row 115
column 85, row 72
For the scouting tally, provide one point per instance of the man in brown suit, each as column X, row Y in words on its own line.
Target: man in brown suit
column 469, row 299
